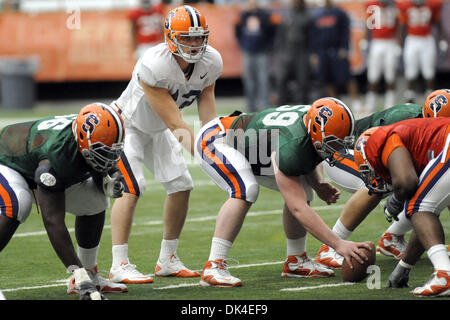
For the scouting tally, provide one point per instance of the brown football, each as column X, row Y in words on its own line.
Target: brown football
column 359, row 271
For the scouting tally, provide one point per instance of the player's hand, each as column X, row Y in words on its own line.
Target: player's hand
column 112, row 185
column 392, row 208
column 86, row 287
column 327, row 192
column 349, row 249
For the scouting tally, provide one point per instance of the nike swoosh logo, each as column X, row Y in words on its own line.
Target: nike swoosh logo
column 201, row 77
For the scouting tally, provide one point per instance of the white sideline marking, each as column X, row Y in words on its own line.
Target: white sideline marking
column 319, row 287
column 200, row 219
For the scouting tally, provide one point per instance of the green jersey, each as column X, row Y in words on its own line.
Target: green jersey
column 24, row 145
column 389, row 116
column 275, row 129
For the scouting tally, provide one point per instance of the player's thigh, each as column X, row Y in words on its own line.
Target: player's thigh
column 16, row 198
column 411, row 57
column 374, row 67
column 428, row 57
column 85, row 199
column 433, row 192
column 226, row 166
column 131, row 161
column 345, row 174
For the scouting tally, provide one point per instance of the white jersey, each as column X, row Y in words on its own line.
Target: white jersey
column 158, row 68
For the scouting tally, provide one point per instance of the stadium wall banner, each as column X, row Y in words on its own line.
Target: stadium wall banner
column 97, row 45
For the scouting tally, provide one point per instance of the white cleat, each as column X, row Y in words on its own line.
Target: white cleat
column 303, row 267
column 216, row 274
column 173, row 267
column 127, row 273
column 327, row 256
column 437, row 286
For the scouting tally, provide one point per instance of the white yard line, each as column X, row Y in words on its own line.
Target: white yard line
column 319, row 286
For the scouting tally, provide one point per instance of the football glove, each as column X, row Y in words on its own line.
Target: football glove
column 112, row 185
column 392, row 208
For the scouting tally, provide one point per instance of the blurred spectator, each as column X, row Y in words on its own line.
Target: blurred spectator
column 330, row 47
column 255, row 32
column 292, row 42
column 384, row 49
column 9, row 5
column 147, row 26
column 419, row 52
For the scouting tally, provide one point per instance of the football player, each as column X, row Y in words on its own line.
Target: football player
column 346, row 175
column 418, row 17
column 383, row 50
column 398, row 156
column 278, row 148
column 69, row 163
column 169, row 77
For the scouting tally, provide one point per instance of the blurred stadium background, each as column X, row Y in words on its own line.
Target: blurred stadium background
column 83, row 49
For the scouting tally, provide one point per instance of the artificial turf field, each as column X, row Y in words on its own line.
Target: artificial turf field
column 30, row 270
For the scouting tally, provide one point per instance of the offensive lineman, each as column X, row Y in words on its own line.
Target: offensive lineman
column 279, row 149
column 168, row 78
column 345, row 174
column 65, row 161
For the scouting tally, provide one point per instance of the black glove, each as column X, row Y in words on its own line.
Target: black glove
column 112, row 185
column 392, row 208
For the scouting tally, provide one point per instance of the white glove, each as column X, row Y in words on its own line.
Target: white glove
column 112, row 186
column 86, row 287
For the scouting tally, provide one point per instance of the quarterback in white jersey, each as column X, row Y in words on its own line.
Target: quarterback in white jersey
column 166, row 79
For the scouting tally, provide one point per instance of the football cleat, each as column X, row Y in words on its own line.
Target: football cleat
column 329, row 257
column 173, row 267
column 102, row 285
column 437, row 286
column 216, row 274
column 392, row 245
column 127, row 273
column 303, row 267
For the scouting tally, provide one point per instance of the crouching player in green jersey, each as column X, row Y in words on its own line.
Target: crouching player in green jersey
column 278, row 148
column 69, row 163
column 345, row 174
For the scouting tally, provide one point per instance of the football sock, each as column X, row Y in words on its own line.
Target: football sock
column 439, row 257
column 341, row 231
column 119, row 254
column 219, row 249
column 296, row 247
column 168, row 248
column 88, row 257
column 400, row 227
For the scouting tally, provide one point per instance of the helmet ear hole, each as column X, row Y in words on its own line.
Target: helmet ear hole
column 314, row 129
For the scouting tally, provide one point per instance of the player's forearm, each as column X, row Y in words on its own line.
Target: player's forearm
column 62, row 243
column 314, row 224
column 185, row 136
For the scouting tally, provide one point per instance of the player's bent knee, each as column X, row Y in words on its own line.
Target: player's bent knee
column 252, row 193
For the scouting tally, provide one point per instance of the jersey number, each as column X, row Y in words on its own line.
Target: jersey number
column 283, row 118
column 58, row 123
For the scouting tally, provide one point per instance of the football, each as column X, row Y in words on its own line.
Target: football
column 359, row 271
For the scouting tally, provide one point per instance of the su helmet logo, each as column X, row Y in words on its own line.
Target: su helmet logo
column 438, row 103
column 90, row 123
column 361, row 142
column 323, row 115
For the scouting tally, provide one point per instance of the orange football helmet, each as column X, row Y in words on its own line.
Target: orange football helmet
column 437, row 104
column 99, row 131
column 330, row 125
column 372, row 181
column 186, row 22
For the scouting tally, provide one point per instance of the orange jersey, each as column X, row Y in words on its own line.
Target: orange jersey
column 148, row 24
column 419, row 19
column 424, row 139
column 383, row 19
